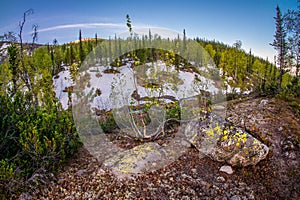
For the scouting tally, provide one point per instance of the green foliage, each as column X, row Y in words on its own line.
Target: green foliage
column 107, row 123
column 13, row 64
column 6, row 170
column 74, row 71
column 81, row 50
column 247, row 71
column 173, row 111
column 34, row 137
column 42, row 60
column 209, row 48
column 36, row 134
column 292, row 90
column 5, row 76
column 296, row 106
column 280, row 44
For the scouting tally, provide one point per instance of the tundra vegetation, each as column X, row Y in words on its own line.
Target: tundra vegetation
column 38, row 135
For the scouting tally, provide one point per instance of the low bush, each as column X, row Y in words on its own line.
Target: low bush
column 33, row 140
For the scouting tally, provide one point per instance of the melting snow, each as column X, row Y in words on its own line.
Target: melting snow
column 63, row 81
column 123, row 84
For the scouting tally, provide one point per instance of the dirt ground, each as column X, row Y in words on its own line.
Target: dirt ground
column 272, row 121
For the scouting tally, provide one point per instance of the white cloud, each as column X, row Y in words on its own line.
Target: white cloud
column 107, row 29
column 83, row 25
column 140, row 29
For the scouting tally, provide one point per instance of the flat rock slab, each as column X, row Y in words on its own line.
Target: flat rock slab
column 146, row 157
column 136, row 160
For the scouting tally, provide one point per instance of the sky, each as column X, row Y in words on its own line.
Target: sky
column 250, row 21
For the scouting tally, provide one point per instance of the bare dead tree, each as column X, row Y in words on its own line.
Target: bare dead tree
column 24, row 71
column 21, row 26
column 34, row 37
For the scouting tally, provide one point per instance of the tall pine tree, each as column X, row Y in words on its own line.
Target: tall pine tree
column 292, row 23
column 96, row 39
column 184, row 41
column 13, row 65
column 81, row 50
column 280, row 45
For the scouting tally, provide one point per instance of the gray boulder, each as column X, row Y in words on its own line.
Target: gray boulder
column 217, row 138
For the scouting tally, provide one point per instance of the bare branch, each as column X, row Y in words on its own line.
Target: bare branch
column 21, row 26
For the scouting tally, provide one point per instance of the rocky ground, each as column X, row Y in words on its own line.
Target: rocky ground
column 272, row 121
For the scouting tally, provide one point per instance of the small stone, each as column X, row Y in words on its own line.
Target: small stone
column 291, row 155
column 220, row 179
column 25, row 196
column 215, row 188
column 242, row 121
column 185, row 198
column 242, row 184
column 263, row 102
column 61, row 181
column 186, row 176
column 208, row 185
column 194, row 171
column 225, row 186
column 235, row 197
column 101, row 172
column 280, row 128
column 251, row 196
column 80, row 172
column 227, row 169
column 219, row 108
column 222, row 198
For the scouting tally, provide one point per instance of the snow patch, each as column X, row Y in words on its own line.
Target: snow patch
column 60, row 84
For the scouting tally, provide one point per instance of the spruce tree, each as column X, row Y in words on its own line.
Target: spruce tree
column 249, row 63
column 184, row 41
column 292, row 24
column 72, row 55
column 96, row 39
column 150, row 36
column 116, row 46
column 110, row 55
column 280, row 44
column 81, row 51
column 13, row 65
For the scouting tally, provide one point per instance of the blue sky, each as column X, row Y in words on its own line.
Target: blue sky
column 250, row 21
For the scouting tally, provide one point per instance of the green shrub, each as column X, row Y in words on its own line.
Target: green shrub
column 173, row 111
column 33, row 137
column 107, row 123
column 6, row 170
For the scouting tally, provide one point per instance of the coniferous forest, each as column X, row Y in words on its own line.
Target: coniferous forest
column 48, row 130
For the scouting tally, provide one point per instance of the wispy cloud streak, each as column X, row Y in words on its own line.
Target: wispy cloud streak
column 83, row 25
column 140, row 29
